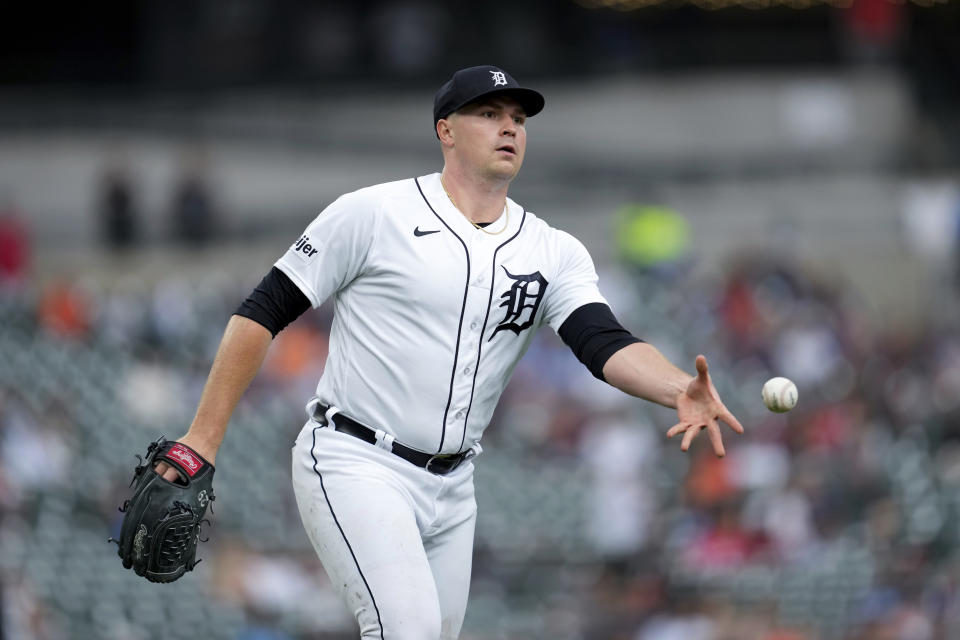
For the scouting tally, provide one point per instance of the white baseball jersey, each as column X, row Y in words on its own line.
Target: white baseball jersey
column 431, row 314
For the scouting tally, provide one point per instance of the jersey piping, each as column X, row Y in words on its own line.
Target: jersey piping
column 463, row 309
column 342, row 533
column 486, row 318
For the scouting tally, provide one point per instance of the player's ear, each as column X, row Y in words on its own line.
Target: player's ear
column 444, row 131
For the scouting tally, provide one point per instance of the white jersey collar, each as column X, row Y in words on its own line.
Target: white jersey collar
column 435, row 195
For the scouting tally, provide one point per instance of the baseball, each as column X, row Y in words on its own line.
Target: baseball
column 779, row 394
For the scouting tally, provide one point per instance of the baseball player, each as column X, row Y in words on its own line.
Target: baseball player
column 438, row 284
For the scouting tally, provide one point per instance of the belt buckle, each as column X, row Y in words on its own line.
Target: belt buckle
column 443, row 458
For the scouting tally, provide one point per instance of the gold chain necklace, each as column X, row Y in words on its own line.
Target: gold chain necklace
column 492, row 233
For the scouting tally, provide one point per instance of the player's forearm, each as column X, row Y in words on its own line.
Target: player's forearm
column 241, row 352
column 642, row 371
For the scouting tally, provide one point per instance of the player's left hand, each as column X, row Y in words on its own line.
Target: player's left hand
column 207, row 452
column 699, row 407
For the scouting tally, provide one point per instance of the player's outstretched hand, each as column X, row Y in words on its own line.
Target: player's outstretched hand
column 700, row 407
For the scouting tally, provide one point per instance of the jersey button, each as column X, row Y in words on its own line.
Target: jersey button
column 459, row 415
column 466, row 371
column 474, row 326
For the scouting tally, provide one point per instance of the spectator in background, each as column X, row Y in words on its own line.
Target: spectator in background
column 64, row 311
column 35, row 445
column 118, row 210
column 683, row 617
column 14, row 247
column 652, row 239
column 193, row 214
column 873, row 30
column 622, row 504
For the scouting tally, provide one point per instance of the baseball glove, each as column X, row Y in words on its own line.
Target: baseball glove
column 161, row 522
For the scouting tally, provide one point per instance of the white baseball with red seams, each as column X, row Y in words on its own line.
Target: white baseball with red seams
column 779, row 394
column 431, row 315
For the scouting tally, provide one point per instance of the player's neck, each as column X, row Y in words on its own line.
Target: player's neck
column 479, row 201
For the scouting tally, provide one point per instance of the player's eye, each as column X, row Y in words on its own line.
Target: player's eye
column 519, row 119
column 489, row 114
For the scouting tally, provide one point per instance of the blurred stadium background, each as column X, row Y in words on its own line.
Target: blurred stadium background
column 774, row 183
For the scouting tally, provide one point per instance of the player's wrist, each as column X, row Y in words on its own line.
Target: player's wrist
column 679, row 397
column 205, row 446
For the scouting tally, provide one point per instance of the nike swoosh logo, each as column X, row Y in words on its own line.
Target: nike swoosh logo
column 419, row 233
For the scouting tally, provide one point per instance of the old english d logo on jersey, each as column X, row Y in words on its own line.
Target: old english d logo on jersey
column 522, row 300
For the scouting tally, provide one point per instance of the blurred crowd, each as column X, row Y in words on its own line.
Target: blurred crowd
column 837, row 520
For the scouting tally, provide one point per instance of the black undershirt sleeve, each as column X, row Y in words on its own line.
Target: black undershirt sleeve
column 275, row 302
column 594, row 334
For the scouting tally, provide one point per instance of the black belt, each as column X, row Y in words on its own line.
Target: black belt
column 440, row 464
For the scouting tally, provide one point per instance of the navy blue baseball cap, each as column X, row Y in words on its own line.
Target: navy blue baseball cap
column 470, row 84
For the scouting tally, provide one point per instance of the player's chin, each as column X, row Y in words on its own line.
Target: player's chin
column 507, row 166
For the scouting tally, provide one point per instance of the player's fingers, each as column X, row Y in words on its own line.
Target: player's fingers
column 677, row 428
column 731, row 420
column 716, row 439
column 689, row 436
column 701, row 364
column 168, row 472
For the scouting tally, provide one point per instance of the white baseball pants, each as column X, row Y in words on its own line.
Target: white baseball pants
column 395, row 539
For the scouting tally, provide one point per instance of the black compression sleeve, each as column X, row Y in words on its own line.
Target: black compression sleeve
column 275, row 303
column 594, row 334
